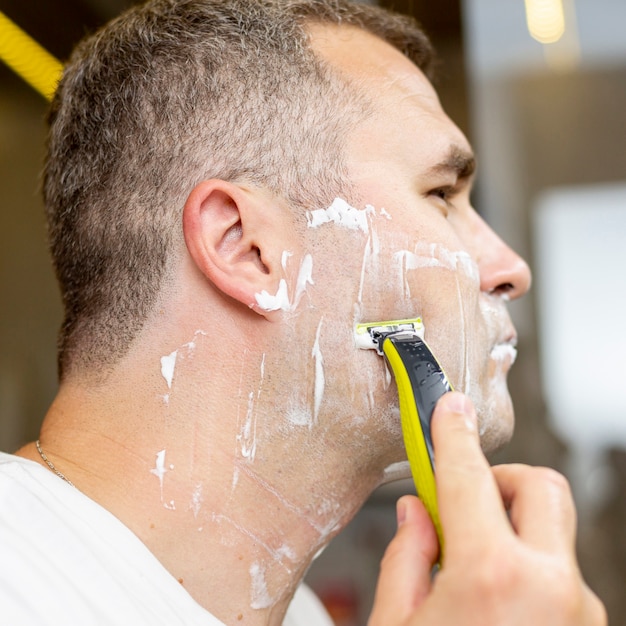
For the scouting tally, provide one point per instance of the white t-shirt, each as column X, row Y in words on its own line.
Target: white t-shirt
column 66, row 561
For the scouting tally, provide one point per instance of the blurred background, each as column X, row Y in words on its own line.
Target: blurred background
column 539, row 87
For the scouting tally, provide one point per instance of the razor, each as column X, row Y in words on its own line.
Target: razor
column 421, row 381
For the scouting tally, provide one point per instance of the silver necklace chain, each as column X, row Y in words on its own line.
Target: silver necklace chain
column 51, row 465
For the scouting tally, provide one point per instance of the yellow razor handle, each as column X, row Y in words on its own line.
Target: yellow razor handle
column 421, row 381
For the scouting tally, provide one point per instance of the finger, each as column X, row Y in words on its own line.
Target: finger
column 468, row 497
column 540, row 504
column 404, row 580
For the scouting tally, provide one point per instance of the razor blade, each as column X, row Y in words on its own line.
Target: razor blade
column 372, row 336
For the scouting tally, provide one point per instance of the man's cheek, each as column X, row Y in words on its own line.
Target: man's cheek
column 454, row 330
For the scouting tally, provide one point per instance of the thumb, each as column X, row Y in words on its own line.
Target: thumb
column 405, row 570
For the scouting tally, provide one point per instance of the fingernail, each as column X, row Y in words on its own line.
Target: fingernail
column 400, row 512
column 461, row 404
column 456, row 403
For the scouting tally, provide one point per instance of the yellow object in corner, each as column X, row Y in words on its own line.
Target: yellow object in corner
column 28, row 59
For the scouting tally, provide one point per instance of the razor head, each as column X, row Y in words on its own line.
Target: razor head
column 371, row 336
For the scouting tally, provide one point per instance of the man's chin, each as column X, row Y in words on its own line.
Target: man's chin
column 496, row 421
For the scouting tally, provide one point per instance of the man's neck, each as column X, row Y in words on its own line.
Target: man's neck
column 210, row 485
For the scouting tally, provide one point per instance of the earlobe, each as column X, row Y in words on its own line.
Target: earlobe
column 224, row 234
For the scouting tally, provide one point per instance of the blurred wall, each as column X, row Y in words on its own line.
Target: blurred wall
column 30, row 307
column 30, row 310
column 545, row 117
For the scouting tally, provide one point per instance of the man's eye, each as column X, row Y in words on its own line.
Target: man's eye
column 443, row 197
column 444, row 193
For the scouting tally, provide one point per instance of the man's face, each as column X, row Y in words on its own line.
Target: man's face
column 422, row 250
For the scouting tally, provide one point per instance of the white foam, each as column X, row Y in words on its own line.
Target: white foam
column 278, row 301
column 159, row 471
column 168, row 363
column 320, row 381
column 281, row 300
column 341, row 214
column 299, row 416
column 260, row 596
column 196, row 500
column 247, row 437
column 284, row 258
column 503, row 351
column 305, row 277
column 435, row 255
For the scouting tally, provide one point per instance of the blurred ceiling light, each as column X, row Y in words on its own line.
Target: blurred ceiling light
column 545, row 19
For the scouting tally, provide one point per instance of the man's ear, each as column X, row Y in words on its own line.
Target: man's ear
column 228, row 234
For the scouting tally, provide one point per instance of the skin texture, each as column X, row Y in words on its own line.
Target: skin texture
column 244, row 429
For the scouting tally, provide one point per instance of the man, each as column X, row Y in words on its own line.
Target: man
column 231, row 186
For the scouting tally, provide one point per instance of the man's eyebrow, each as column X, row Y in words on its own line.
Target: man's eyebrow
column 458, row 161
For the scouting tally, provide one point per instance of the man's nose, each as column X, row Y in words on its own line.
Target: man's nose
column 502, row 271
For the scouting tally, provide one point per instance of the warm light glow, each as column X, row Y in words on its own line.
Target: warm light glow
column 546, row 20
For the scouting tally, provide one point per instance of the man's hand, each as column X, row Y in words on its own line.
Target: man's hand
column 510, row 534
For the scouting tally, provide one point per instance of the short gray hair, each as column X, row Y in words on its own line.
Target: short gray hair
column 170, row 93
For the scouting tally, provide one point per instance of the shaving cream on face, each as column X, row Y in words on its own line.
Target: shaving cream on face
column 308, row 409
column 364, row 223
column 458, row 301
column 494, row 396
column 320, row 381
column 299, row 416
column 281, row 301
column 278, row 301
column 168, row 362
column 286, row 255
column 432, row 256
column 397, row 471
column 247, row 437
column 379, row 256
column 159, row 468
column 436, row 256
column 159, row 471
column 341, row 214
column 260, row 596
column 196, row 500
column 369, row 257
column 504, row 352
